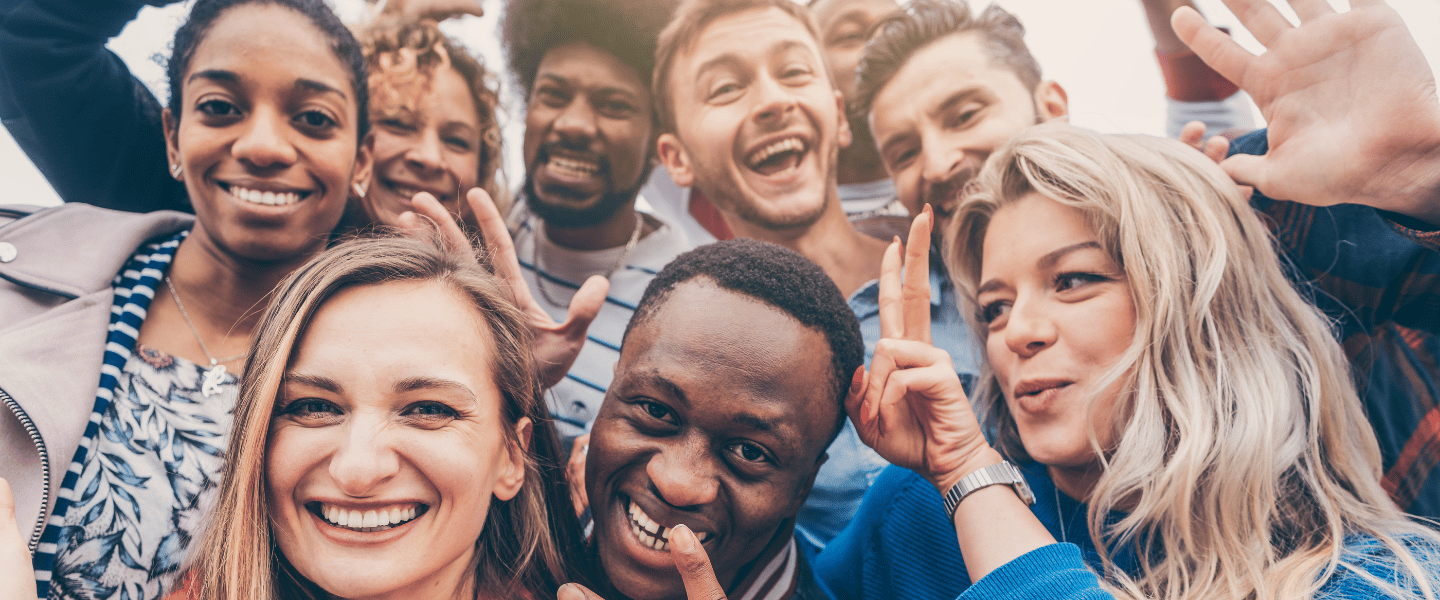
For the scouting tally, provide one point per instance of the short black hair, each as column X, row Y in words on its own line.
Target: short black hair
column 779, row 277
column 342, row 42
column 626, row 29
column 922, row 22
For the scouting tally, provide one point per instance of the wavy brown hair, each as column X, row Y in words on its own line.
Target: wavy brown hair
column 530, row 545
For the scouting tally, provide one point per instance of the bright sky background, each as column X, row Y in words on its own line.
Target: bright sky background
column 1099, row 50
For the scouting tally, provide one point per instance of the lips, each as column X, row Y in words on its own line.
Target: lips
column 407, row 191
column 368, row 520
column 1035, row 395
column 652, row 534
column 777, row 156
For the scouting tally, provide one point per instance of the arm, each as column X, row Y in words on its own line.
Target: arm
column 90, row 127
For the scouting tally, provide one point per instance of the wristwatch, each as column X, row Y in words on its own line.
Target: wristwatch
column 996, row 474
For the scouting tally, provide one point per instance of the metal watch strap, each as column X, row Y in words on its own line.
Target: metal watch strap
column 1001, row 473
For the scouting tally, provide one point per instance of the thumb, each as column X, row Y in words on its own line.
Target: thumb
column 17, row 576
column 1247, row 169
column 694, row 566
column 575, row 591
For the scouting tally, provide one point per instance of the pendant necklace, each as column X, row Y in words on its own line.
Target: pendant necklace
column 540, row 278
column 215, row 375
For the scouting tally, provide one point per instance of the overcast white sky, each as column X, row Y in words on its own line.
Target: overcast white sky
column 1100, row 50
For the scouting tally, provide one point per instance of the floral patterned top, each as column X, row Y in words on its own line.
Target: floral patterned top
column 156, row 462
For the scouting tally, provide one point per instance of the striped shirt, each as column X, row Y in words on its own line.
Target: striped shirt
column 554, row 273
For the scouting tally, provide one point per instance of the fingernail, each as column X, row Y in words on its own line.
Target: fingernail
column 570, row 591
column 584, row 449
column 683, row 538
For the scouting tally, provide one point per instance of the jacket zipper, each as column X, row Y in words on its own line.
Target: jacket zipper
column 44, row 463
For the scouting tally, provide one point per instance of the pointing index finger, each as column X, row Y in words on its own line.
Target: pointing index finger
column 916, row 286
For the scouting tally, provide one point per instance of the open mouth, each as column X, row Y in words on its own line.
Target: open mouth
column 367, row 521
column 651, row 534
column 777, row 157
column 407, row 192
column 264, row 197
column 572, row 167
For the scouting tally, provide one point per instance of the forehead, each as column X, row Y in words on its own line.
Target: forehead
column 1029, row 228
column 731, row 354
column 830, row 11
column 264, row 40
column 582, row 64
column 751, row 36
column 937, row 71
column 380, row 321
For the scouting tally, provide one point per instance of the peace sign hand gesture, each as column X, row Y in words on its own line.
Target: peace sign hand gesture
column 910, row 407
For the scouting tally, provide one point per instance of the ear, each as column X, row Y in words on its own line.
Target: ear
column 172, row 143
column 364, row 165
column 513, row 477
column 676, row 160
column 845, row 136
column 1051, row 101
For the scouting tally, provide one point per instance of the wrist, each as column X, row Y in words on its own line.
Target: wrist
column 982, row 457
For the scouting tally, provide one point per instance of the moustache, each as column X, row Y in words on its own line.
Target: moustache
column 944, row 195
column 542, row 155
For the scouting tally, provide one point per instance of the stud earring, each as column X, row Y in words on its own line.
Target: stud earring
column 175, row 170
column 359, row 189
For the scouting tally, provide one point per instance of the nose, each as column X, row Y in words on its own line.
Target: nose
column 264, row 142
column 364, row 460
column 941, row 159
column 576, row 123
column 683, row 475
column 1028, row 330
column 425, row 155
column 776, row 103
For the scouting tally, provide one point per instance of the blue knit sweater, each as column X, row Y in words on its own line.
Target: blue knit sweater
column 900, row 545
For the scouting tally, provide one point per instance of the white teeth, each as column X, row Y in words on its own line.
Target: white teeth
column 369, row 520
column 787, row 144
column 265, row 198
column 573, row 168
column 652, row 534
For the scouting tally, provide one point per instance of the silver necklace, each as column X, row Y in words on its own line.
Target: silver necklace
column 535, row 257
column 215, row 375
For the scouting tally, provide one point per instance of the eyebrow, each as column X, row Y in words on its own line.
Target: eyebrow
column 230, row 77
column 318, row 86
column 1045, row 263
column 424, row 382
column 219, row 75
column 609, row 89
column 959, row 96
column 324, row 383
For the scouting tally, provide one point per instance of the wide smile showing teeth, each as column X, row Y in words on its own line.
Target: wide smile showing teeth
column 778, row 156
column 408, row 192
column 652, row 534
column 569, row 167
column 265, row 198
column 369, row 520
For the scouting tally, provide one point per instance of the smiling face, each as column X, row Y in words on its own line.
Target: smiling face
column 387, row 444
column 714, row 420
column 433, row 147
column 762, row 124
column 1060, row 317
column 942, row 114
column 587, row 135
column 266, row 135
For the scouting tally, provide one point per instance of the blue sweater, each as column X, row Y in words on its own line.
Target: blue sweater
column 900, row 545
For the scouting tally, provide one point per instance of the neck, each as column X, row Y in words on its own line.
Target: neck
column 613, row 232
column 850, row 258
column 1076, row 482
column 860, row 163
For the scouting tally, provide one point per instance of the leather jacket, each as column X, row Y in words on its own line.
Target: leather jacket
column 57, row 266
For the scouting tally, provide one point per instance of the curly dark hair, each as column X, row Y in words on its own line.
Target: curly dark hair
column 204, row 13
column 779, row 277
column 626, row 29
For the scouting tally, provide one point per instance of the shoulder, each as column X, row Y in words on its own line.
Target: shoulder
column 1370, row 567
column 42, row 246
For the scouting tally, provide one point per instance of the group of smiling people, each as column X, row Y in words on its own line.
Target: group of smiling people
column 336, row 359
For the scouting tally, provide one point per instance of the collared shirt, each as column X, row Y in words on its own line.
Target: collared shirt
column 1380, row 283
column 852, row 465
column 554, row 272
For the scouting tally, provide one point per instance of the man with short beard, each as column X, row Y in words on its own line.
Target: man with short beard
column 750, row 117
column 588, row 149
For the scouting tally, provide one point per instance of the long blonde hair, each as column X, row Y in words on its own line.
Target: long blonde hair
column 1242, row 457
column 530, row 544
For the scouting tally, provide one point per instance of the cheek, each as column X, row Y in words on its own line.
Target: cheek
column 1000, row 357
column 466, row 167
column 388, row 146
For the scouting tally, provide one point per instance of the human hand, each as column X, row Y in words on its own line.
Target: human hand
column 438, row 10
column 690, row 559
column 575, row 473
column 17, row 576
column 910, row 407
column 1350, row 102
column 1214, row 148
column 556, row 344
